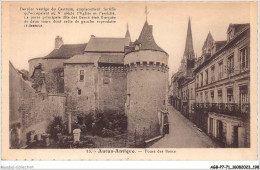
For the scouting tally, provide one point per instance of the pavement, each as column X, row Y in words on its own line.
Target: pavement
column 183, row 134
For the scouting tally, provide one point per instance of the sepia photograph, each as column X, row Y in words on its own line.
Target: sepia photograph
column 129, row 78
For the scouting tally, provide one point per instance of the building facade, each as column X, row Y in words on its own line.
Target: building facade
column 215, row 94
column 222, row 87
column 109, row 74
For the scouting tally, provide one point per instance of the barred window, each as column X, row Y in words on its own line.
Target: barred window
column 81, row 75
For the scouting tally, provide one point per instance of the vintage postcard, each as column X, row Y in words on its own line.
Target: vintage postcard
column 129, row 81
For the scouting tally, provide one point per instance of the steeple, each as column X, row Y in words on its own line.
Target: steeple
column 146, row 13
column 189, row 52
column 127, row 34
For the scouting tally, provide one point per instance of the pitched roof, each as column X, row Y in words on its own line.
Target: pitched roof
column 147, row 40
column 189, row 51
column 67, row 51
column 237, row 27
column 111, row 59
column 107, row 44
column 208, row 41
column 219, row 44
column 86, row 58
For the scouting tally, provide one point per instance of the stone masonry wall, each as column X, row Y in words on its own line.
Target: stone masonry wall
column 33, row 111
column 112, row 88
column 146, row 96
column 86, row 101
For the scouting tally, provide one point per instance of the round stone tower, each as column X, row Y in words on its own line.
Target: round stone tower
column 147, row 86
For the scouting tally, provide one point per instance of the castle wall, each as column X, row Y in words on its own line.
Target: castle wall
column 112, row 88
column 30, row 110
column 147, row 89
column 86, row 101
column 52, row 67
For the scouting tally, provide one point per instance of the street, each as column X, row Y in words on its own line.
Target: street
column 183, row 134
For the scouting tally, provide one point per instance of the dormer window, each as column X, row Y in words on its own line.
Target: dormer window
column 137, row 47
column 230, row 34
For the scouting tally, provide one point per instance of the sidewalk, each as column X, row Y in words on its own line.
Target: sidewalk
column 183, row 134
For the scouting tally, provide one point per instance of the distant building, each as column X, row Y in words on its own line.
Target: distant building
column 183, row 82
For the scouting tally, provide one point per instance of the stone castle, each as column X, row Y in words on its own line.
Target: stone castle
column 108, row 74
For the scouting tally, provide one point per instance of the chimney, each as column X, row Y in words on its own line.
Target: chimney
column 58, row 42
column 92, row 36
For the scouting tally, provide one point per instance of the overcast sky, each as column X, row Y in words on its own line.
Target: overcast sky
column 169, row 20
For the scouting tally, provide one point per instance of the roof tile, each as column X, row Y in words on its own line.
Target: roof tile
column 67, row 51
column 107, row 44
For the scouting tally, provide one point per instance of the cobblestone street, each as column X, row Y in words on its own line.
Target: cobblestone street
column 183, row 134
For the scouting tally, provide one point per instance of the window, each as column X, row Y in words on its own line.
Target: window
column 81, row 75
column 206, row 97
column 62, row 74
column 191, row 95
column 243, row 94
column 207, row 76
column 230, row 34
column 229, row 95
column 244, row 64
column 201, row 97
column 201, row 80
column 212, row 96
column 197, row 81
column 79, row 91
column 220, row 70
column 211, row 126
column 230, row 65
column 212, row 74
column 220, row 96
column 187, row 91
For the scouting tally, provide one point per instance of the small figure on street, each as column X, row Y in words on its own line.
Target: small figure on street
column 166, row 125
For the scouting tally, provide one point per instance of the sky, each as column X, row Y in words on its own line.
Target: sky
column 169, row 20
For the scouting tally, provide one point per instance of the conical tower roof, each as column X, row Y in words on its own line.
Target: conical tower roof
column 147, row 40
column 189, row 51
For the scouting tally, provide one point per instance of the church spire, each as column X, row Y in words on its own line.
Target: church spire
column 189, row 52
column 146, row 13
column 127, row 34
